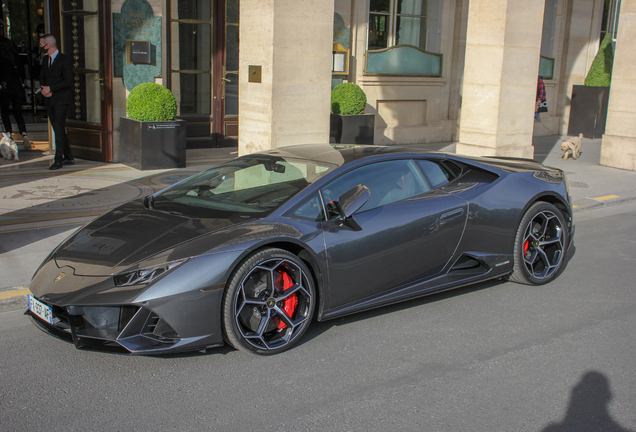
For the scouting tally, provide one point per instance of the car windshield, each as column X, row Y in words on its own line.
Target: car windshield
column 252, row 185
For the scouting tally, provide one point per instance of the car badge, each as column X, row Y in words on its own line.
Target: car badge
column 271, row 303
column 60, row 276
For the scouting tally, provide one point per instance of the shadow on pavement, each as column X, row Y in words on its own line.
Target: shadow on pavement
column 543, row 146
column 105, row 199
column 317, row 328
column 588, row 407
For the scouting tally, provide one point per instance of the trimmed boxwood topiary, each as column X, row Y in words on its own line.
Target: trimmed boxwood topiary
column 600, row 74
column 151, row 102
column 348, row 99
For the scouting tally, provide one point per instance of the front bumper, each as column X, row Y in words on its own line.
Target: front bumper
column 127, row 329
column 179, row 311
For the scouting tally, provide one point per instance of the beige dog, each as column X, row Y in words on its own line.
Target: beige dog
column 573, row 145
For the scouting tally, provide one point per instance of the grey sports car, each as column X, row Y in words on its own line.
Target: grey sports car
column 250, row 251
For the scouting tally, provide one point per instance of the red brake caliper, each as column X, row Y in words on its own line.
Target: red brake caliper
column 525, row 246
column 289, row 305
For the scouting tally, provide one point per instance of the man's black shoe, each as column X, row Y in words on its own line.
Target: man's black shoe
column 68, row 161
column 55, row 166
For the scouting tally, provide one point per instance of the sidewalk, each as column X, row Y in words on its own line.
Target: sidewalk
column 40, row 208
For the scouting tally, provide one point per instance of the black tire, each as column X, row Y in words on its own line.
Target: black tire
column 540, row 245
column 268, row 303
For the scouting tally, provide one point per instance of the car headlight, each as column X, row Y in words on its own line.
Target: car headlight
column 145, row 275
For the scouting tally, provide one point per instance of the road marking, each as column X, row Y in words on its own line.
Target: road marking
column 606, row 197
column 14, row 293
column 575, row 206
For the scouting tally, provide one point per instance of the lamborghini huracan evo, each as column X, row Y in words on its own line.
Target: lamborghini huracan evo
column 250, row 251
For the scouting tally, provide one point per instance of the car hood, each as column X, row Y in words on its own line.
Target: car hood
column 128, row 235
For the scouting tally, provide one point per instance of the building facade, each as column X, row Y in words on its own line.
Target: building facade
column 257, row 74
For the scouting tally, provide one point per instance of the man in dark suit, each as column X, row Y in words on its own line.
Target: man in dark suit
column 56, row 80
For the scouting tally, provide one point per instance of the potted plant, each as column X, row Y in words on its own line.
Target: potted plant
column 151, row 137
column 588, row 109
column 348, row 123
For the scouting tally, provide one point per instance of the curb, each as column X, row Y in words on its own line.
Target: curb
column 604, row 204
column 13, row 298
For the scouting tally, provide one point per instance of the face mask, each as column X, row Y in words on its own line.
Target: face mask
column 43, row 50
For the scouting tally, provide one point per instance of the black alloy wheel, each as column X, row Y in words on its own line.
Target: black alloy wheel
column 269, row 302
column 540, row 245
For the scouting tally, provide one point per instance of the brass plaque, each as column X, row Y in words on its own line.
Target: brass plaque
column 255, row 74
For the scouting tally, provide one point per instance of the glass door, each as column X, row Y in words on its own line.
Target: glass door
column 203, row 59
column 229, row 86
column 85, row 27
column 190, row 48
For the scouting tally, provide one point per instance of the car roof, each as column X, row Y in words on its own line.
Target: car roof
column 340, row 154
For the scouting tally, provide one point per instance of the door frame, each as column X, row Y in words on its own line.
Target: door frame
column 92, row 141
column 215, row 123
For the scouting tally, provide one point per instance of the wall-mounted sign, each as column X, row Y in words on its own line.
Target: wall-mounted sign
column 340, row 65
column 138, row 51
column 136, row 22
column 254, row 74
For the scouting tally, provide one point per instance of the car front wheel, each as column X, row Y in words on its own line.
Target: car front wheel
column 269, row 302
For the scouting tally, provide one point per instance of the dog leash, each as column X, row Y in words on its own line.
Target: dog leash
column 551, row 132
column 560, row 139
column 3, row 129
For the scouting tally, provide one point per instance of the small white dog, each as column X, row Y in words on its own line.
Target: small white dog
column 8, row 147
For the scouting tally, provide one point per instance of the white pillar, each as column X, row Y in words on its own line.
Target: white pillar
column 503, row 47
column 619, row 142
column 291, row 41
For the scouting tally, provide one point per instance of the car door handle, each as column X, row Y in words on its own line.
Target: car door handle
column 453, row 213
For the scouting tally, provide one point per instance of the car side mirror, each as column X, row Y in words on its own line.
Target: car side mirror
column 350, row 202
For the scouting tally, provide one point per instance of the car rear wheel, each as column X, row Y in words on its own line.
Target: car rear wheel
column 540, row 245
column 269, row 302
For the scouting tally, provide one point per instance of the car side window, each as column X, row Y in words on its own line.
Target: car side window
column 388, row 182
column 436, row 175
column 310, row 210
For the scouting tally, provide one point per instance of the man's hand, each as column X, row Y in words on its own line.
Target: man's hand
column 46, row 91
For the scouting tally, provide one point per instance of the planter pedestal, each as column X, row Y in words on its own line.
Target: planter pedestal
column 352, row 129
column 153, row 145
column 588, row 111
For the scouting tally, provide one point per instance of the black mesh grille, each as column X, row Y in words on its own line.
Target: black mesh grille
column 453, row 167
column 159, row 329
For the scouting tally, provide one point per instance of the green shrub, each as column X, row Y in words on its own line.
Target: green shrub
column 151, row 102
column 348, row 99
column 600, row 74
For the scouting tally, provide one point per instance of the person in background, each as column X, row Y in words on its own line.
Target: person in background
column 540, row 96
column 11, row 90
column 56, row 82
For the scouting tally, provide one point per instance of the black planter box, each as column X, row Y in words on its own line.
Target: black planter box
column 153, row 145
column 352, row 129
column 588, row 111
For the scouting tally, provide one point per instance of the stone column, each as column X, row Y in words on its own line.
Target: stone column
column 503, row 46
column 618, row 148
column 291, row 41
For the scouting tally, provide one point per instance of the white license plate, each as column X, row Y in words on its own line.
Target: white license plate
column 40, row 309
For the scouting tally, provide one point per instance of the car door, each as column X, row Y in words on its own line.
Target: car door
column 409, row 231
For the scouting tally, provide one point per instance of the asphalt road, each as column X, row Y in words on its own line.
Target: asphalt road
column 493, row 357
